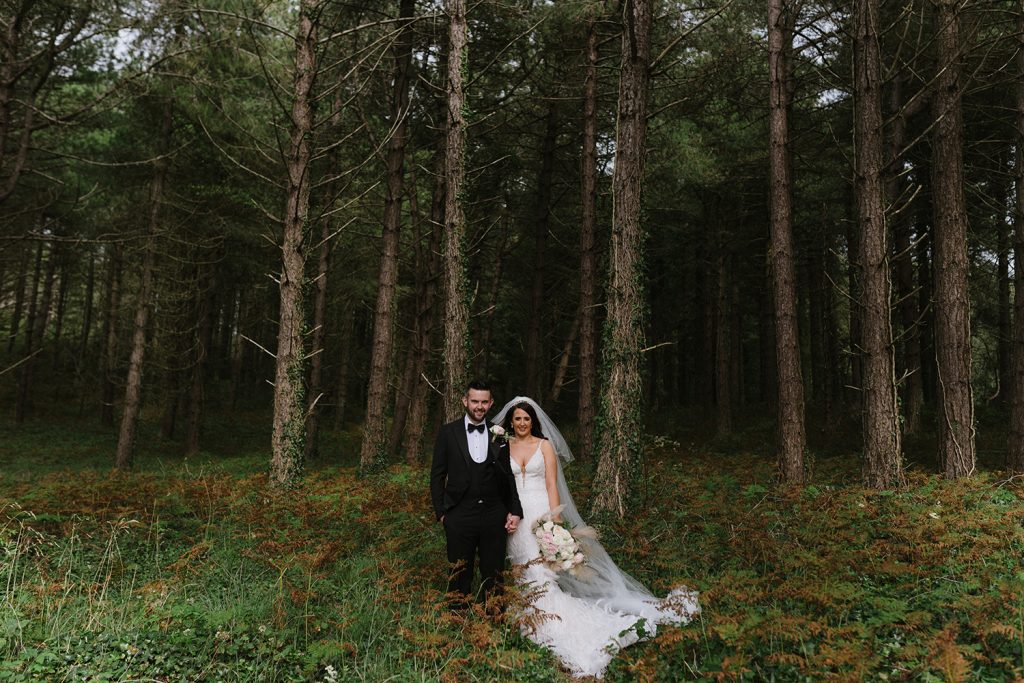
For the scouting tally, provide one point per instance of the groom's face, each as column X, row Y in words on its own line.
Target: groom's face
column 477, row 402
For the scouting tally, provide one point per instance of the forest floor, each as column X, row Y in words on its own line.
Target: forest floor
column 191, row 570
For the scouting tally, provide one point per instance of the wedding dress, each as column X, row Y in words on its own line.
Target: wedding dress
column 583, row 619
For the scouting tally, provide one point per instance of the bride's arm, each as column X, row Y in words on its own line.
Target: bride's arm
column 550, row 475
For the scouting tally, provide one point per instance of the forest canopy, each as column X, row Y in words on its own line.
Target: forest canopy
column 337, row 213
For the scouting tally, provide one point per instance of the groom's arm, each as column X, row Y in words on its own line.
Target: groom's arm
column 438, row 474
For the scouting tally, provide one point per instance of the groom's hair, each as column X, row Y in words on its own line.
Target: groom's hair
column 478, row 385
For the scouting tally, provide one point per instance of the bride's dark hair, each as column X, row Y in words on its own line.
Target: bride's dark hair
column 534, row 422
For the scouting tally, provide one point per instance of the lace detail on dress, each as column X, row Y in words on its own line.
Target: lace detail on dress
column 584, row 634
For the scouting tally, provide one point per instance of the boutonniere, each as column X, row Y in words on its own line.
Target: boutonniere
column 498, row 433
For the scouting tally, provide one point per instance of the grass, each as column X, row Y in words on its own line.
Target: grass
column 192, row 570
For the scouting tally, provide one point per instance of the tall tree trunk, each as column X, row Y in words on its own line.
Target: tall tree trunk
column 586, row 411
column 171, row 390
column 345, row 342
column 33, row 298
column 486, row 325
column 952, row 306
column 769, row 386
column 19, row 298
column 836, row 375
column 64, row 278
column 316, row 363
column 413, row 398
column 563, row 361
column 535, row 356
column 913, row 398
column 429, row 314
column 288, row 438
column 853, row 274
column 314, row 411
column 816, row 320
column 35, row 332
column 792, row 438
column 203, row 348
column 882, row 464
column 723, row 347
column 90, row 290
column 237, row 349
column 1003, row 301
column 620, row 442
column 409, row 376
column 111, row 310
column 1015, row 441
column 456, row 311
column 737, row 386
column 373, row 453
column 133, row 382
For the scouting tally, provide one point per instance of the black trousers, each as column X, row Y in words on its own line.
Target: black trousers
column 475, row 528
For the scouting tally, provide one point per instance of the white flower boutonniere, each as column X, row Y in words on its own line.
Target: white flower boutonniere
column 498, row 433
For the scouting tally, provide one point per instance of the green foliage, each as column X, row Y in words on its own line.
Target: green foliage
column 194, row 571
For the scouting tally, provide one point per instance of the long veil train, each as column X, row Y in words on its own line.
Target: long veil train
column 603, row 583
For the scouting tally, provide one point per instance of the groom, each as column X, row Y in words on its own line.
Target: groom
column 474, row 493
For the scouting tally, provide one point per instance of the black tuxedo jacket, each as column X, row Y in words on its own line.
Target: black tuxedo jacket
column 449, row 472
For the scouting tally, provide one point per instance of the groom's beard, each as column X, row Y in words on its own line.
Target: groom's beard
column 476, row 416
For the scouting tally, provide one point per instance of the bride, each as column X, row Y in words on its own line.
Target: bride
column 583, row 618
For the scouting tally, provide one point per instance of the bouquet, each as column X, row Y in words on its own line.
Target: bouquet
column 560, row 547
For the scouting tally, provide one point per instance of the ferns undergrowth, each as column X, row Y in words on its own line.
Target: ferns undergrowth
column 193, row 570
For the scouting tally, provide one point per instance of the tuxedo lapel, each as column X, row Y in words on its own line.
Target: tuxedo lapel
column 462, row 440
column 492, row 444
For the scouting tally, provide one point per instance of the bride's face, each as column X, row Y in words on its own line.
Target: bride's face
column 521, row 422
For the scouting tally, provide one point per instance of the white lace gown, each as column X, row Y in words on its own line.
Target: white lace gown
column 584, row 635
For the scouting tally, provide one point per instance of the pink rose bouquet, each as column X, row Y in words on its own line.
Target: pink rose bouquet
column 559, row 545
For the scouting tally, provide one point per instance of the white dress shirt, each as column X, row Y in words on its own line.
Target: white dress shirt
column 477, row 441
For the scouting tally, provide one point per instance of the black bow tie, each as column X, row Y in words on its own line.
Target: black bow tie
column 475, row 428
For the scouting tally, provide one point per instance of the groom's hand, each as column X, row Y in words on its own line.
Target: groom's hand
column 511, row 523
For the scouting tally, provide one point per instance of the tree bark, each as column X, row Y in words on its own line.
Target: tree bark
column 913, row 397
column 925, row 277
column 288, row 438
column 90, row 289
column 242, row 305
column 1003, row 303
column 428, row 314
column 563, row 361
column 373, row 453
column 314, row 411
column 35, row 332
column 621, row 444
column 817, row 323
column 586, row 410
column 133, row 382
column 345, row 342
column 203, row 348
column 1015, row 440
column 456, row 315
column 769, row 386
column 486, row 325
column 112, row 307
column 33, row 298
column 19, row 298
column 882, row 464
column 723, row 348
column 64, row 280
column 792, row 438
column 535, row 356
column 316, row 363
column 952, row 306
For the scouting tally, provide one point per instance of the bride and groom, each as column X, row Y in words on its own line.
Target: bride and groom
column 487, row 489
